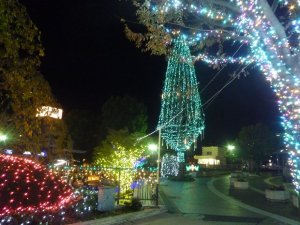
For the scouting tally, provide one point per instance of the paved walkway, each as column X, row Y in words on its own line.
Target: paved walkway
column 126, row 218
column 247, row 198
column 252, row 200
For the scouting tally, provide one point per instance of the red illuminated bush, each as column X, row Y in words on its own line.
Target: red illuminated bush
column 28, row 187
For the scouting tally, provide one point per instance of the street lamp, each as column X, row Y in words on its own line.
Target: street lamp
column 230, row 147
column 230, row 155
column 3, row 137
column 152, row 147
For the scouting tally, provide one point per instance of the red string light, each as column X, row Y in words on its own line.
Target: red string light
column 28, row 187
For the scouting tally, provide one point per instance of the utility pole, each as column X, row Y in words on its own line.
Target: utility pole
column 158, row 164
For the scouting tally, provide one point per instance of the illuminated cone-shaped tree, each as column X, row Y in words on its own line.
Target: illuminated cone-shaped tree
column 181, row 116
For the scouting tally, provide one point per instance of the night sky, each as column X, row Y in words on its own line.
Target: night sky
column 88, row 59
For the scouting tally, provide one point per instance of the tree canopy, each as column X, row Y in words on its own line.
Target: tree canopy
column 256, row 143
column 83, row 126
column 124, row 112
column 120, row 149
column 119, row 153
column 22, row 87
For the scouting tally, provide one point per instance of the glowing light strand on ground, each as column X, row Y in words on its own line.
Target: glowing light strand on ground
column 277, row 54
column 181, row 119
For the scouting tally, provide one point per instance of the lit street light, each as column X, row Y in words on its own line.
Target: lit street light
column 230, row 147
column 231, row 156
column 152, row 147
column 3, row 137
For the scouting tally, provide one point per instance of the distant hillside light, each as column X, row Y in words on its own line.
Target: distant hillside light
column 49, row 111
column 181, row 118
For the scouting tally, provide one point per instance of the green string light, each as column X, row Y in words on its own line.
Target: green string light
column 181, row 118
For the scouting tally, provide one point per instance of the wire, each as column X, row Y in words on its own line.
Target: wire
column 159, row 128
column 210, row 100
column 215, row 76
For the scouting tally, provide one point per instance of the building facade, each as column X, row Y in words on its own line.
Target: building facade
column 211, row 156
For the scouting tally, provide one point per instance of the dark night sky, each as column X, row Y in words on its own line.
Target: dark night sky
column 88, row 59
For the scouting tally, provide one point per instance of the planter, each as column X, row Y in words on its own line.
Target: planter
column 232, row 180
column 240, row 184
column 295, row 200
column 106, row 198
column 277, row 195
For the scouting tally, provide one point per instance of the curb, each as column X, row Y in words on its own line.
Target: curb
column 128, row 217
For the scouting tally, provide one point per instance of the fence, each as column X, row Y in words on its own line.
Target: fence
column 130, row 183
column 146, row 193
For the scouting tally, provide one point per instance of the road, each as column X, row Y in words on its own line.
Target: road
column 196, row 202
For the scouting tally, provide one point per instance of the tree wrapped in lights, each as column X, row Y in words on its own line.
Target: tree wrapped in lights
column 169, row 166
column 181, row 117
column 23, row 88
column 28, row 188
column 268, row 31
column 118, row 155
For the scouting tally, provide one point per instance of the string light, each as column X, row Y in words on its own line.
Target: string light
column 181, row 117
column 27, row 187
column 122, row 165
column 272, row 42
column 169, row 165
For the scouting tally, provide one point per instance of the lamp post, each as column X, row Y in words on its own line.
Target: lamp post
column 153, row 148
column 158, row 164
column 3, row 138
column 231, row 148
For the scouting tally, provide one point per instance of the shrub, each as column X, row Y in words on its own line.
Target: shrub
column 134, row 205
column 28, row 187
column 30, row 194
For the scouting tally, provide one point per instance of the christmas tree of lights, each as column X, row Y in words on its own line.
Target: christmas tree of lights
column 267, row 31
column 181, row 118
